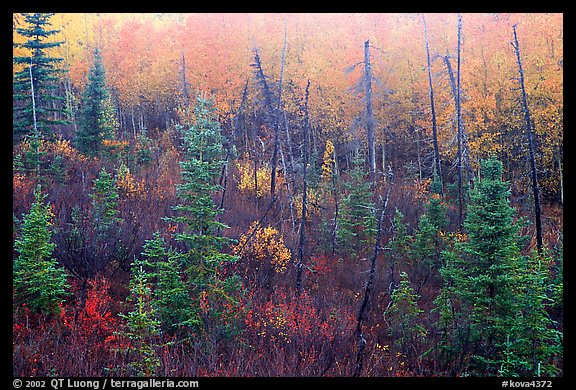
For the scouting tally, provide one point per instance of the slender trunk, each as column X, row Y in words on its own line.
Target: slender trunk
column 300, row 264
column 36, row 134
column 133, row 122
column 184, row 83
column 361, row 342
column 141, row 122
column 289, row 144
column 561, row 177
column 369, row 113
column 255, row 172
column 437, row 161
column 276, row 121
column 384, row 158
column 239, row 118
column 459, row 125
column 419, row 157
column 224, row 179
column 531, row 147
column 289, row 191
column 460, row 130
column 256, row 182
column 336, row 208
column 414, row 101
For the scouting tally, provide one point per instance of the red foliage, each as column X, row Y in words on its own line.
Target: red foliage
column 285, row 317
column 93, row 325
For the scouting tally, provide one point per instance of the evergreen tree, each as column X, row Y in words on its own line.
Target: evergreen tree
column 429, row 236
column 104, row 202
column 424, row 247
column 202, row 259
column 44, row 79
column 399, row 246
column 170, row 296
column 533, row 342
column 405, row 327
column 357, row 221
column 37, row 280
column 484, row 274
column 142, row 325
column 401, row 239
column 97, row 119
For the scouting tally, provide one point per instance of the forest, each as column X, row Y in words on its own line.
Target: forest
column 287, row 195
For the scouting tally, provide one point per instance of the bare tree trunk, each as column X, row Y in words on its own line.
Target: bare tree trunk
column 531, row 147
column 36, row 134
column 289, row 144
column 384, row 158
column 256, row 182
column 133, row 122
column 459, row 125
column 413, row 115
column 462, row 154
column 361, row 342
column 462, row 128
column 255, row 173
column 336, row 208
column 224, row 184
column 277, row 120
column 437, row 161
column 300, row 264
column 561, row 176
column 369, row 113
column 239, row 123
column 184, row 83
column 288, row 191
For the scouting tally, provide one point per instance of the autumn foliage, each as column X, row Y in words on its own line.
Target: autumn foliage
column 155, row 176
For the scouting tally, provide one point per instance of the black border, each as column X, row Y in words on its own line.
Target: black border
column 363, row 383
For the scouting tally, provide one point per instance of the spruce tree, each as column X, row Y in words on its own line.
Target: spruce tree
column 405, row 327
column 429, row 236
column 104, row 203
column 97, row 119
column 39, row 38
column 37, row 280
column 357, row 221
column 142, row 325
column 202, row 259
column 485, row 273
column 533, row 343
column 170, row 296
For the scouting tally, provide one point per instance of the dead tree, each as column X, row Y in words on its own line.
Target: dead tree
column 369, row 111
column 302, row 238
column 462, row 159
column 459, row 122
column 437, row 161
column 274, row 111
column 239, row 122
column 184, row 83
column 361, row 342
column 531, row 147
column 276, row 120
column 267, row 98
column 413, row 126
column 36, row 133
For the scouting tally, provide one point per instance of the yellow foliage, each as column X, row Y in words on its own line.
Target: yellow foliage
column 245, row 181
column 127, row 184
column 328, row 161
column 311, row 204
column 265, row 245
